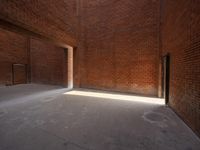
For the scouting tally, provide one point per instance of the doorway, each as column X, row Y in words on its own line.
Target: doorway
column 19, row 74
column 70, row 67
column 165, row 77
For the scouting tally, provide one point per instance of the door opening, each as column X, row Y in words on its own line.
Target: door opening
column 70, row 67
column 165, row 77
column 19, row 74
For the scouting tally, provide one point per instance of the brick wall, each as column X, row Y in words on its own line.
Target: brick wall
column 13, row 49
column 118, row 41
column 120, row 46
column 181, row 38
column 48, row 63
column 117, row 46
column 55, row 19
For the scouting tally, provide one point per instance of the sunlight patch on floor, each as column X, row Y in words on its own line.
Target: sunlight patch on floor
column 142, row 99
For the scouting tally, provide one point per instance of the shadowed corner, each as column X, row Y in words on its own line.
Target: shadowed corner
column 122, row 97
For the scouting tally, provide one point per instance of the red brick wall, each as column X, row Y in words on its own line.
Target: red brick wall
column 47, row 63
column 55, row 19
column 181, row 38
column 120, row 46
column 13, row 49
column 118, row 41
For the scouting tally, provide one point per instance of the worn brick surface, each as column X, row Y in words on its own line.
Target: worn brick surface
column 57, row 19
column 47, row 63
column 117, row 45
column 121, row 46
column 19, row 74
column 118, row 41
column 47, row 60
column 181, row 38
column 13, row 49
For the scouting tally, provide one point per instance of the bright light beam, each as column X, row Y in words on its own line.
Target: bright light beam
column 142, row 99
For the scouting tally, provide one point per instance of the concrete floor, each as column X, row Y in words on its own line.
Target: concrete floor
column 41, row 117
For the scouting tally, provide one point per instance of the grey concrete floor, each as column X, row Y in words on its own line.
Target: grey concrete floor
column 43, row 117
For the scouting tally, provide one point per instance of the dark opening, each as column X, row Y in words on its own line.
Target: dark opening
column 165, row 77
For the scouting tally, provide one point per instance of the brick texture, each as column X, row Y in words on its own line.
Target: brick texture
column 181, row 38
column 19, row 74
column 117, row 46
column 120, row 45
column 13, row 49
column 118, row 41
column 47, row 63
column 56, row 19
